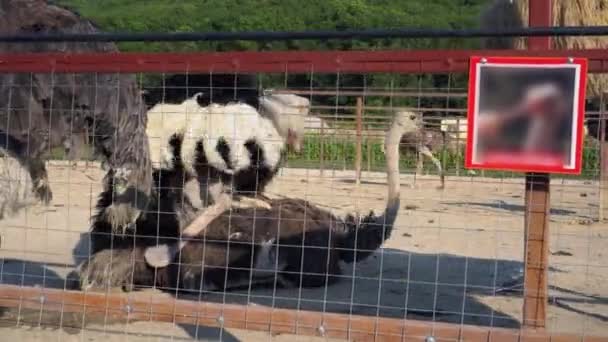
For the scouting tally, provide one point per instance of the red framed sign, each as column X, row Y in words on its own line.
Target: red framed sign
column 526, row 114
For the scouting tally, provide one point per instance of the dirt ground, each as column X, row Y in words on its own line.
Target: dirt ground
column 455, row 255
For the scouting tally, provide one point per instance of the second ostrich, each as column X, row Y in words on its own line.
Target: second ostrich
column 230, row 148
column 294, row 243
column 300, row 241
column 423, row 142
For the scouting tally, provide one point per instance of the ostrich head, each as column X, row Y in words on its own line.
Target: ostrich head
column 288, row 113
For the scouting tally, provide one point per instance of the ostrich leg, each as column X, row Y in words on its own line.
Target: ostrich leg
column 243, row 202
column 426, row 152
column 161, row 256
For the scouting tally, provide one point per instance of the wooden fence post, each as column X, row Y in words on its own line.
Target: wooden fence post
column 458, row 144
column 603, row 205
column 322, row 149
column 369, row 140
column 536, row 248
column 358, row 151
column 536, row 230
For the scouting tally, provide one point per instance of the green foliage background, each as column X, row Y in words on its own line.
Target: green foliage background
column 292, row 15
column 279, row 15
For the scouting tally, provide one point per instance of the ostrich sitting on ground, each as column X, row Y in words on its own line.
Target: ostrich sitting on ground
column 230, row 148
column 294, row 243
column 300, row 243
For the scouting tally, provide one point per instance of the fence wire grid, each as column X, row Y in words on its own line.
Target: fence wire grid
column 455, row 254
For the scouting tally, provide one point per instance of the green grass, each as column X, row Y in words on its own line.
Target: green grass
column 340, row 154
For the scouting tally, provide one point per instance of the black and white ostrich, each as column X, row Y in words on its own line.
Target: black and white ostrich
column 223, row 89
column 230, row 148
column 294, row 242
column 41, row 111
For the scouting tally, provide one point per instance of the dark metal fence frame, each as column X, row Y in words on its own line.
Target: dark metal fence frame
column 132, row 306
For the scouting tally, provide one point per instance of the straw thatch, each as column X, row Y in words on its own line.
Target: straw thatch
column 514, row 14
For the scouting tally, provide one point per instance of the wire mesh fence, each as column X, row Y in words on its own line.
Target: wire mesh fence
column 451, row 266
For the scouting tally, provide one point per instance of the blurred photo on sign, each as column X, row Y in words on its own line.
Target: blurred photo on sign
column 526, row 114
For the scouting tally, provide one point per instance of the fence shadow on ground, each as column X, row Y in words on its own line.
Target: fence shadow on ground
column 448, row 301
column 36, row 274
column 502, row 205
column 441, row 287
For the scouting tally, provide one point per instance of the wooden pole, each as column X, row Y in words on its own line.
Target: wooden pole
column 322, row 149
column 536, row 230
column 359, row 140
column 457, row 147
column 369, row 142
column 603, row 214
column 536, row 249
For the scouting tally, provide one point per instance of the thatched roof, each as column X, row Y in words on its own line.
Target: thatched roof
column 514, row 14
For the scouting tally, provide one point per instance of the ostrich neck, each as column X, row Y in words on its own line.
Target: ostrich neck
column 392, row 169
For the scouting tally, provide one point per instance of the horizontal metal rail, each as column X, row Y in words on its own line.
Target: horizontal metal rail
column 159, row 307
column 403, row 33
column 356, row 62
column 149, row 306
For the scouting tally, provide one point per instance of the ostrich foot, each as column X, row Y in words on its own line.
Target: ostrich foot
column 442, row 183
column 121, row 216
column 43, row 192
column 442, row 178
column 130, row 199
column 107, row 269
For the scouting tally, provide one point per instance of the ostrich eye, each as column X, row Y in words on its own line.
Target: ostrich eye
column 412, row 117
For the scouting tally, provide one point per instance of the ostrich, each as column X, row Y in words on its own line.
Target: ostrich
column 227, row 146
column 39, row 107
column 230, row 142
column 423, row 142
column 292, row 238
column 273, row 241
column 17, row 190
column 283, row 109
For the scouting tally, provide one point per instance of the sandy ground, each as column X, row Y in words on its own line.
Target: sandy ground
column 449, row 253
